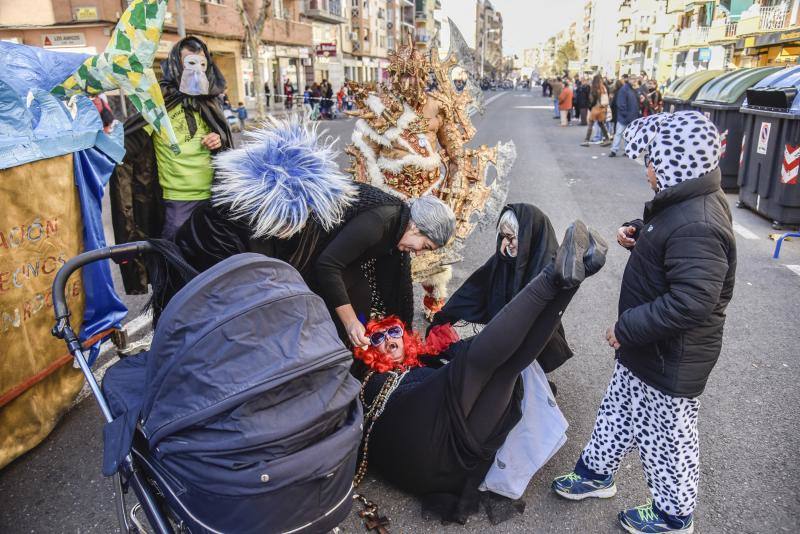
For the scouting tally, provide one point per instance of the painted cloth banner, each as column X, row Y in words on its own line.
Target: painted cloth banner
column 38, row 233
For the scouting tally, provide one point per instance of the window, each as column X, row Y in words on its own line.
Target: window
column 203, row 13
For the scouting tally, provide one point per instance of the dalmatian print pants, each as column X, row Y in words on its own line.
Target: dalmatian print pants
column 663, row 428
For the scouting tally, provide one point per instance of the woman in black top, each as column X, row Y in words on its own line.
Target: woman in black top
column 360, row 267
column 526, row 244
column 433, row 425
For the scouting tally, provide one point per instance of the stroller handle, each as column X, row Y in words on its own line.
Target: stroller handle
column 117, row 253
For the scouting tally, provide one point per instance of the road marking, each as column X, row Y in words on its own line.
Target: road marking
column 744, row 232
column 794, row 268
column 534, row 107
column 493, row 98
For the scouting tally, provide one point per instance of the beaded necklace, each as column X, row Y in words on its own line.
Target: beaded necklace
column 373, row 412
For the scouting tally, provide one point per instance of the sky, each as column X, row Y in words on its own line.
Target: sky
column 525, row 22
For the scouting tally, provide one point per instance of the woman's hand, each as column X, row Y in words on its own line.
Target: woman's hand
column 358, row 335
column 212, row 141
column 356, row 332
column 625, row 236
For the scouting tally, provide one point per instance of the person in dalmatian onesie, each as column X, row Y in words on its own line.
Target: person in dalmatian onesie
column 677, row 284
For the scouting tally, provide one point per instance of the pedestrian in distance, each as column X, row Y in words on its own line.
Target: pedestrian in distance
column 266, row 92
column 599, row 102
column 668, row 335
column 288, row 94
column 557, row 87
column 565, row 102
column 583, row 100
column 627, row 104
column 241, row 113
column 307, row 100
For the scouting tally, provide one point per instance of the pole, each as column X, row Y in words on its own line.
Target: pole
column 483, row 40
column 179, row 18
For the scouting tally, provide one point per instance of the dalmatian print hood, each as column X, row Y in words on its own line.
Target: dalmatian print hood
column 682, row 145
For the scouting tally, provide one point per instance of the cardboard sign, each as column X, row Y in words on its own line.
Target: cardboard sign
column 763, row 138
column 40, row 228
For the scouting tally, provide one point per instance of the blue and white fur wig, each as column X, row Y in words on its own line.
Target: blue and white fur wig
column 285, row 173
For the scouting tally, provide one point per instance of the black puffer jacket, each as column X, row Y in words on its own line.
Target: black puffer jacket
column 677, row 284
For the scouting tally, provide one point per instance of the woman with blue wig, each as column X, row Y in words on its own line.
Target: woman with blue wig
column 283, row 195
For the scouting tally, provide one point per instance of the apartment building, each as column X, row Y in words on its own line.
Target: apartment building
column 426, row 25
column 303, row 40
column 489, row 37
column 599, row 51
column 728, row 34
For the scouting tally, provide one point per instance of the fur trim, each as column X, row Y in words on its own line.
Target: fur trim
column 285, row 173
column 438, row 283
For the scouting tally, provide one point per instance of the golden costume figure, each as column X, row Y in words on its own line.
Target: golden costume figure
column 410, row 140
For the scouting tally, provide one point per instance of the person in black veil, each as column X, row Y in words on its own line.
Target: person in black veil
column 155, row 190
column 526, row 244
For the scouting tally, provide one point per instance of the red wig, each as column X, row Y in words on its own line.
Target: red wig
column 439, row 338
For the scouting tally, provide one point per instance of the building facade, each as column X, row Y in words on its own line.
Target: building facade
column 304, row 41
column 489, row 38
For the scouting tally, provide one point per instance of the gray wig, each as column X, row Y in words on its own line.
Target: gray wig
column 434, row 218
column 508, row 220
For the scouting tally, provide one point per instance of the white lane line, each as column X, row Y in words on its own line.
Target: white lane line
column 744, row 232
column 493, row 98
column 794, row 268
column 534, row 107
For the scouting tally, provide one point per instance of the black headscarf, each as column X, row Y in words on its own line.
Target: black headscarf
column 208, row 105
column 494, row 284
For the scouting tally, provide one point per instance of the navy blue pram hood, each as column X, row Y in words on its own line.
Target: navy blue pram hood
column 223, row 344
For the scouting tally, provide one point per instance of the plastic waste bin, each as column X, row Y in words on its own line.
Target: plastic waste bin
column 720, row 100
column 770, row 160
column 679, row 96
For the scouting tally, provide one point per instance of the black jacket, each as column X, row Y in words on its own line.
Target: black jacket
column 677, row 284
column 493, row 285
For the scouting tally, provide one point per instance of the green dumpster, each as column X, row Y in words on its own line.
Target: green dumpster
column 679, row 95
column 720, row 100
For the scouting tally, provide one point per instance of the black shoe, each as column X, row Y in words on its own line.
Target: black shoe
column 612, row 154
column 585, row 143
column 607, row 142
column 595, row 256
column 553, row 388
column 569, row 269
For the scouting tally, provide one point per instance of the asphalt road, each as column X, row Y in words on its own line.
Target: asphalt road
column 748, row 428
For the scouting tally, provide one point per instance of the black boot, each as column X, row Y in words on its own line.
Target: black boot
column 595, row 256
column 568, row 268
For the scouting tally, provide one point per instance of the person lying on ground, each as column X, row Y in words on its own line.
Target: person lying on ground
column 438, row 411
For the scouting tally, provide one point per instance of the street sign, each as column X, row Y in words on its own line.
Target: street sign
column 704, row 54
column 86, row 13
column 763, row 138
column 56, row 40
column 326, row 49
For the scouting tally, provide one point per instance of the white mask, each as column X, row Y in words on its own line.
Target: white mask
column 193, row 80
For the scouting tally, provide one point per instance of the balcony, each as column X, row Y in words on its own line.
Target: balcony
column 437, row 4
column 676, row 6
column 766, row 19
column 694, row 37
column 632, row 35
column 421, row 16
column 722, row 32
column 326, row 11
column 624, row 13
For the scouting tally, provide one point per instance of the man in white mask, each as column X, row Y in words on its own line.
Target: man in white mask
column 156, row 190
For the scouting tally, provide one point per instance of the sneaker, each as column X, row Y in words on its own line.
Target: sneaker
column 595, row 256
column 646, row 519
column 607, row 142
column 585, row 143
column 574, row 487
column 569, row 268
column 612, row 154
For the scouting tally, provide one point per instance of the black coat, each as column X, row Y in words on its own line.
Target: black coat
column 677, row 284
column 582, row 99
column 493, row 285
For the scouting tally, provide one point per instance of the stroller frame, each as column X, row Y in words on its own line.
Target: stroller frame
column 130, row 475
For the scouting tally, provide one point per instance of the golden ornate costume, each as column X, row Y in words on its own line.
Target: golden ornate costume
column 410, row 140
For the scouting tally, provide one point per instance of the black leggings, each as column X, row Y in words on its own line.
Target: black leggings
column 511, row 341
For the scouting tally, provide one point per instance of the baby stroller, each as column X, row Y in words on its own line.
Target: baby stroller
column 242, row 416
